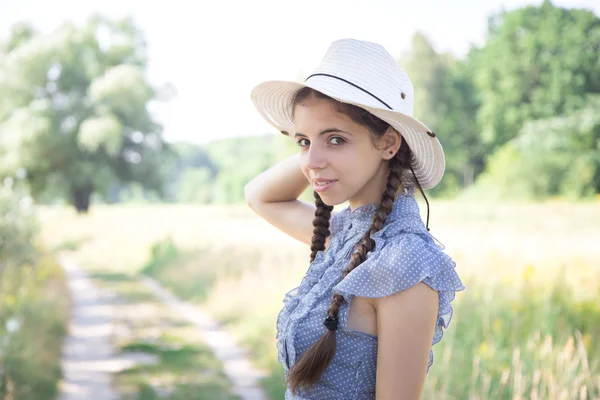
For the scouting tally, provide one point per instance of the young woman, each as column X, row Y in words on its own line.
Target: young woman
column 376, row 297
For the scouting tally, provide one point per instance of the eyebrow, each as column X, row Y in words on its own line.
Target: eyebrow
column 328, row 130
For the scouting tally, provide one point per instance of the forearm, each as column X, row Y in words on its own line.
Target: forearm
column 282, row 182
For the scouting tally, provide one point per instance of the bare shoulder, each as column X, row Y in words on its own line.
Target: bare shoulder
column 294, row 218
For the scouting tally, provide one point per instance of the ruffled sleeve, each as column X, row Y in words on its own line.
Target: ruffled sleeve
column 400, row 262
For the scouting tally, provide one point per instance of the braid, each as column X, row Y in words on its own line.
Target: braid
column 309, row 368
column 321, row 224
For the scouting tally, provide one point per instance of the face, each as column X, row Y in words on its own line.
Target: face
column 335, row 148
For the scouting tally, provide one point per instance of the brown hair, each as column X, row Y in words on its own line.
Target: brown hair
column 309, row 368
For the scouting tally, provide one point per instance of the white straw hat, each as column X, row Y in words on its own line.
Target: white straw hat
column 366, row 75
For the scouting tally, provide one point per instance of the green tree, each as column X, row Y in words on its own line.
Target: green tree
column 191, row 174
column 537, row 62
column 239, row 160
column 73, row 110
column 446, row 101
column 429, row 72
column 551, row 156
column 196, row 185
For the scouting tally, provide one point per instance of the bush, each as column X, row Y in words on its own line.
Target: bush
column 33, row 305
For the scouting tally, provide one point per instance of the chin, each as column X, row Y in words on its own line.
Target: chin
column 331, row 201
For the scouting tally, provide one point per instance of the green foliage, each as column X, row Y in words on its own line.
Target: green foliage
column 218, row 171
column 537, row 62
column 521, row 107
column 190, row 174
column 239, row 161
column 162, row 253
column 446, row 101
column 33, row 318
column 196, row 186
column 74, row 109
column 552, row 156
column 18, row 230
column 33, row 306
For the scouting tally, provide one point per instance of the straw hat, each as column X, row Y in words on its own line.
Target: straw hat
column 366, row 75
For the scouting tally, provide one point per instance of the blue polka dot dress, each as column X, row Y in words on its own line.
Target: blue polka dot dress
column 404, row 255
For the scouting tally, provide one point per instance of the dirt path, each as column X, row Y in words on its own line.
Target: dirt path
column 89, row 356
column 87, row 349
column 236, row 365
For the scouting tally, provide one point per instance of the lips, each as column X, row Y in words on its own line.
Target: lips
column 322, row 182
column 323, row 185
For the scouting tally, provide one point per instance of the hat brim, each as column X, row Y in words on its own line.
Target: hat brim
column 273, row 100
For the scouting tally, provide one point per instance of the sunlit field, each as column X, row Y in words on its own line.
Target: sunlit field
column 527, row 326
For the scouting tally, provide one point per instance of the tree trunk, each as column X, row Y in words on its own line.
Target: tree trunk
column 80, row 197
column 468, row 175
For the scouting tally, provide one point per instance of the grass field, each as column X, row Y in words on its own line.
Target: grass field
column 526, row 327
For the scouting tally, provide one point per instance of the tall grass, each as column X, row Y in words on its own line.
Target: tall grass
column 34, row 306
column 34, row 310
column 526, row 327
column 524, row 340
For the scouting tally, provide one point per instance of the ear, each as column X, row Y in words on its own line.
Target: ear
column 391, row 141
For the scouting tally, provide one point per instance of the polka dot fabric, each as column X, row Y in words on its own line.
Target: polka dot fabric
column 404, row 255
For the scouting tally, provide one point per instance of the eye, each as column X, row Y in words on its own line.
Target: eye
column 335, row 140
column 341, row 140
column 299, row 143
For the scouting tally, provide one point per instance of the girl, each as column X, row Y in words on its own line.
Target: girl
column 376, row 297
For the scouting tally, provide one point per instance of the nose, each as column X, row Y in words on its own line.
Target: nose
column 315, row 157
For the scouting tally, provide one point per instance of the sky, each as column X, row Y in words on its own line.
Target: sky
column 215, row 52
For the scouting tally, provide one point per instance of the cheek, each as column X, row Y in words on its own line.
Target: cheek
column 361, row 168
column 351, row 163
column 346, row 165
column 305, row 172
column 304, row 169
